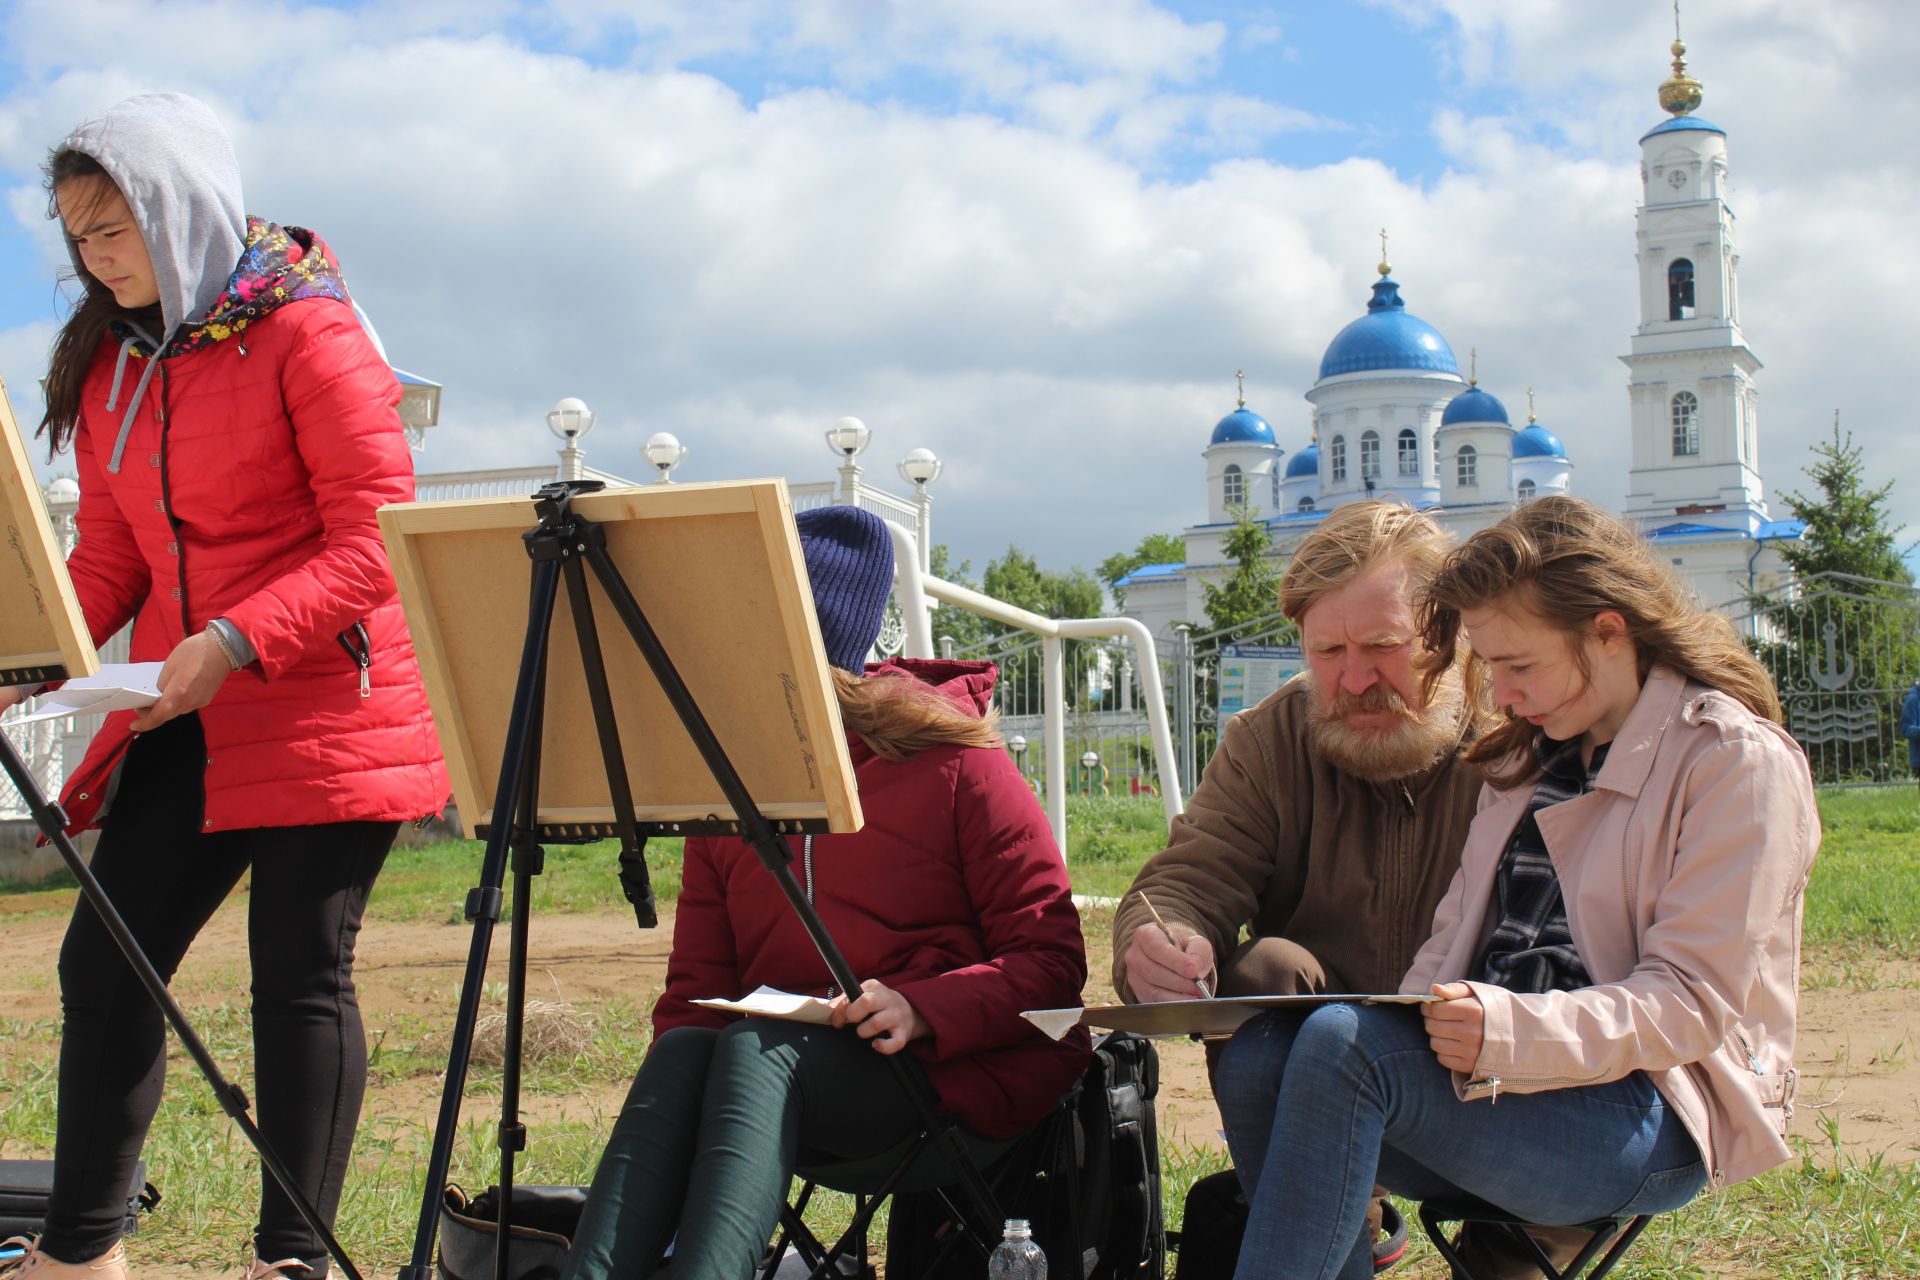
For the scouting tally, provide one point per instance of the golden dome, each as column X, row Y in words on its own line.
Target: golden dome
column 1681, row 93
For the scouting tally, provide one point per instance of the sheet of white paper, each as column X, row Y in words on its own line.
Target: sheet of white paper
column 768, row 1002
column 118, row 686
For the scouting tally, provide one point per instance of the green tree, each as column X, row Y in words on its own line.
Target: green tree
column 1155, row 548
column 1848, row 528
column 966, row 628
column 1252, row 590
column 1845, row 642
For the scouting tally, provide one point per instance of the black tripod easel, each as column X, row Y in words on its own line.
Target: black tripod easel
column 52, row 821
column 558, row 545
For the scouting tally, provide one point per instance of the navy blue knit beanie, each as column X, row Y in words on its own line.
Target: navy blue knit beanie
column 850, row 563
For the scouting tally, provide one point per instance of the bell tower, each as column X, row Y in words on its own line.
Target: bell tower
column 1694, row 408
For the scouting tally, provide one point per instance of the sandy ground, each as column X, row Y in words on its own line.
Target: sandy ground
column 1859, row 1051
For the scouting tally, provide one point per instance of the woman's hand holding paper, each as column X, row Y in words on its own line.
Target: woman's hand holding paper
column 881, row 1015
column 1456, row 1025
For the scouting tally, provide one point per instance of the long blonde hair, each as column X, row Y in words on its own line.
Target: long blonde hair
column 898, row 716
column 1568, row 561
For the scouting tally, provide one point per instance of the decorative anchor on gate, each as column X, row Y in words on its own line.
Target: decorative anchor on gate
column 1832, row 678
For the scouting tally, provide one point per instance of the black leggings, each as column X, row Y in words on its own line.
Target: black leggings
column 166, row 877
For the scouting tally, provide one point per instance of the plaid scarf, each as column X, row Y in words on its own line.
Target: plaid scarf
column 1531, row 949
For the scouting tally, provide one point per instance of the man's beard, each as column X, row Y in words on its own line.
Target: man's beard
column 1419, row 739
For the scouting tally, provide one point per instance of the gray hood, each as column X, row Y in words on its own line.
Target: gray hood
column 174, row 163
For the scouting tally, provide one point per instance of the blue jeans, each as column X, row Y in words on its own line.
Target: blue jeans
column 1320, row 1107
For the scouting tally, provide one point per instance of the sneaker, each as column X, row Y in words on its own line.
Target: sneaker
column 20, row 1257
column 1389, row 1235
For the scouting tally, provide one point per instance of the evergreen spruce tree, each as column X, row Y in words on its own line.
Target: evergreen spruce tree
column 1843, row 644
column 1252, row 591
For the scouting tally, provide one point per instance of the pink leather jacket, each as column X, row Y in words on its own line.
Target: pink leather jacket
column 1683, row 872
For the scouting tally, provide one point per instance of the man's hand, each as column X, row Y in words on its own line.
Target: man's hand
column 1158, row 969
column 189, row 678
column 12, row 695
column 1456, row 1026
column 881, row 1015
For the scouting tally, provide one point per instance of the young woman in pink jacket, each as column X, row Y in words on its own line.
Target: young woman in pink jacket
column 234, row 431
column 1615, row 966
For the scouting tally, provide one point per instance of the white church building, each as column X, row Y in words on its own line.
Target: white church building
column 1392, row 415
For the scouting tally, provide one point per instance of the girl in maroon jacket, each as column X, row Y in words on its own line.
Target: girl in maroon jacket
column 952, row 897
column 234, row 432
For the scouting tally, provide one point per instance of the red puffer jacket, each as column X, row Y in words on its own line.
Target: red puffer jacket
column 953, row 894
column 247, row 490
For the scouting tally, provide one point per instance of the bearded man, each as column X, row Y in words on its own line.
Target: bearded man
column 1330, row 820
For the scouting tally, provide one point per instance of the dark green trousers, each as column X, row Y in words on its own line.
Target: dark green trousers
column 710, row 1134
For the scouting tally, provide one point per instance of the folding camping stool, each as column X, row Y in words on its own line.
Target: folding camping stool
column 1613, row 1235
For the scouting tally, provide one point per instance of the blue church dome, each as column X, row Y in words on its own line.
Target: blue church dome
column 1242, row 426
column 1474, row 405
column 1387, row 337
column 1304, row 463
column 1683, row 124
column 1535, row 441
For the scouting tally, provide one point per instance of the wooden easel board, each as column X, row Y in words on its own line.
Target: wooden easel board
column 717, row 570
column 42, row 635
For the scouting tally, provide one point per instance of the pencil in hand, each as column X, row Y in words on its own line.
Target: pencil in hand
column 1199, row 983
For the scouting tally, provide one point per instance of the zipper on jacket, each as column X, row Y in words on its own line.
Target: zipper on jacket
column 1489, row 1085
column 806, row 865
column 361, row 653
column 166, row 502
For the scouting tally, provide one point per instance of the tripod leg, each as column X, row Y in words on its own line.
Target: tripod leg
column 52, row 822
column 633, row 863
column 483, row 908
column 528, row 858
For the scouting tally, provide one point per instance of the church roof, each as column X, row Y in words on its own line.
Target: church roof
column 1683, row 124
column 1242, row 426
column 1474, row 405
column 1304, row 463
column 1387, row 337
column 1535, row 441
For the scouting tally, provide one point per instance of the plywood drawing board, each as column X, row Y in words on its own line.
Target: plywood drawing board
column 717, row 570
column 42, row 635
column 1219, row 1016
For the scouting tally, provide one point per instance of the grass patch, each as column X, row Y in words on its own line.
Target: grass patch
column 1865, row 890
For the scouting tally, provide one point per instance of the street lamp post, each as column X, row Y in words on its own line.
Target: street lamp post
column 921, row 468
column 1091, row 763
column 665, row 452
column 849, row 438
column 1018, row 745
column 571, row 420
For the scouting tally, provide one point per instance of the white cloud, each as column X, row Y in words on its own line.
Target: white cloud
column 1031, row 298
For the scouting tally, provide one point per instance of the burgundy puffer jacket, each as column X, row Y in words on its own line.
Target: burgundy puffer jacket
column 953, row 894
column 247, row 490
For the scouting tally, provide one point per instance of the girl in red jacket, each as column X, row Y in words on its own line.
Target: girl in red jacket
column 234, row 432
column 952, row 897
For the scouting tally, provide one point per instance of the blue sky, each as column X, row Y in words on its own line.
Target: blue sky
column 1036, row 236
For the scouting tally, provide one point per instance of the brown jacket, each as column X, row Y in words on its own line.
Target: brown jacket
column 1280, row 840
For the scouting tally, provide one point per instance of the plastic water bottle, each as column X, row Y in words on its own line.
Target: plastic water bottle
column 1017, row 1257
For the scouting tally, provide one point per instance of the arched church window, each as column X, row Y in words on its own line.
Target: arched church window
column 1523, row 491
column 1306, row 504
column 1409, row 452
column 1235, row 486
column 1274, row 475
column 1337, row 457
column 1680, row 289
column 1370, row 456
column 1467, row 467
column 1686, row 425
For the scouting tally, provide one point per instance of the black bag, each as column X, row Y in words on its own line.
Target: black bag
column 1211, row 1228
column 543, row 1222
column 26, row 1186
column 1087, row 1178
